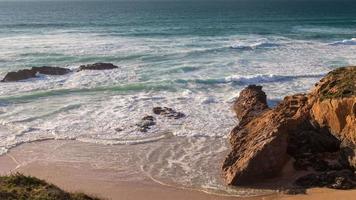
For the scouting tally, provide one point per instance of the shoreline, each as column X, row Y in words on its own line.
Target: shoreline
column 48, row 160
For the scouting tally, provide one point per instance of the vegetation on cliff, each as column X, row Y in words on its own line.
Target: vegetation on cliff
column 339, row 83
column 20, row 187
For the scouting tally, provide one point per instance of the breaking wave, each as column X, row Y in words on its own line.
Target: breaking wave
column 254, row 45
column 250, row 79
column 351, row 41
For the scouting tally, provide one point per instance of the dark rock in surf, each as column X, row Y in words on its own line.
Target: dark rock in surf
column 32, row 73
column 98, row 66
column 51, row 70
column 168, row 112
column 19, row 75
column 146, row 123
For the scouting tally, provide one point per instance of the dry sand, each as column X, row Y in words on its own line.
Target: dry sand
column 50, row 160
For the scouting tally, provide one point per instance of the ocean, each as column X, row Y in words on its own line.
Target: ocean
column 193, row 56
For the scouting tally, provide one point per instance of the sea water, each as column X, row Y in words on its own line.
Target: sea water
column 193, row 56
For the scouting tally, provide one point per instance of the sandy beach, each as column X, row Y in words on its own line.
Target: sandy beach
column 50, row 160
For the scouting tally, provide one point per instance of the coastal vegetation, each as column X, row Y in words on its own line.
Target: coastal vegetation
column 20, row 187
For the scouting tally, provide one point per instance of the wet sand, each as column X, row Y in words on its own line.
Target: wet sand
column 54, row 161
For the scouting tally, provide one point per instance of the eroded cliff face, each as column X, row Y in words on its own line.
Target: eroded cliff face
column 316, row 130
column 334, row 108
column 259, row 147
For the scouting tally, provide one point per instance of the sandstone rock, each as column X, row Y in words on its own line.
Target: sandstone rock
column 31, row 73
column 335, row 108
column 250, row 103
column 259, row 148
column 97, row 66
column 316, row 129
column 168, row 112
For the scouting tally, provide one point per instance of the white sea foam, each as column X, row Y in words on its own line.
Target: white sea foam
column 252, row 45
column 267, row 78
column 90, row 105
column 351, row 41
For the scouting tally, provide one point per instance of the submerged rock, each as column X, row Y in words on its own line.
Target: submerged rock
column 32, row 73
column 318, row 130
column 168, row 112
column 98, row 66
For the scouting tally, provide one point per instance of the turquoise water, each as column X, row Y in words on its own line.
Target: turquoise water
column 193, row 56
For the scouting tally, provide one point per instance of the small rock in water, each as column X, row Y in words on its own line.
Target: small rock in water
column 168, row 112
column 119, row 129
column 98, row 66
column 146, row 122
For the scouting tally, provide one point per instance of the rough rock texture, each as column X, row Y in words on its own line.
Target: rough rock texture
column 51, row 70
column 32, row 73
column 317, row 130
column 335, row 109
column 97, row 66
column 19, row 75
column 342, row 179
column 146, row 122
column 259, row 148
column 250, row 103
column 168, row 112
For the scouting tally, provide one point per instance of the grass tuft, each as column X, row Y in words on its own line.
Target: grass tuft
column 20, row 187
column 339, row 83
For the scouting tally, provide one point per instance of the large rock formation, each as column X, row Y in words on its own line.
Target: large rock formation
column 335, row 109
column 316, row 130
column 32, row 73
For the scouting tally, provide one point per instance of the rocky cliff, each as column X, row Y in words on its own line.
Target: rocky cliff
column 316, row 130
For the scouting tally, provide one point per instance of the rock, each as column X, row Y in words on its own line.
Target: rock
column 32, row 73
column 51, row 70
column 318, row 130
column 250, row 103
column 259, row 148
column 119, row 129
column 19, row 75
column 344, row 179
column 168, row 112
column 97, row 66
column 146, row 122
column 335, row 108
